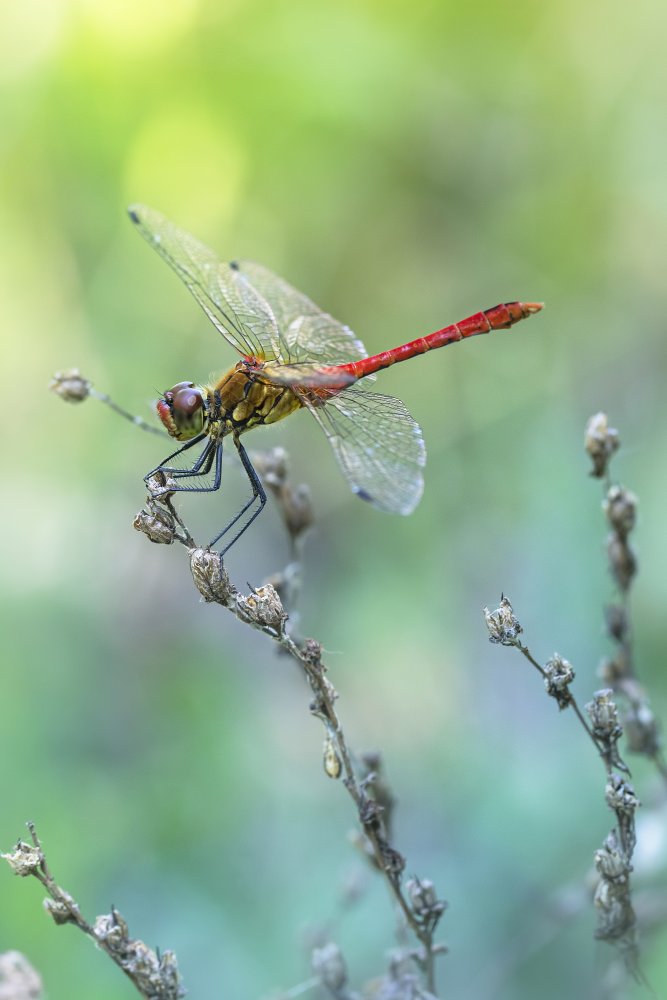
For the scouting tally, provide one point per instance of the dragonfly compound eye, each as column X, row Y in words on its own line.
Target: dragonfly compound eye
column 181, row 410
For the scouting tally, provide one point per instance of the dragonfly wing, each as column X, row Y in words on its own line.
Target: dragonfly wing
column 307, row 333
column 223, row 290
column 379, row 447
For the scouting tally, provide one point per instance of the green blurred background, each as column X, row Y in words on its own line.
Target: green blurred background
column 404, row 164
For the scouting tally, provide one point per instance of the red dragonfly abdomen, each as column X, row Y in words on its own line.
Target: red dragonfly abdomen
column 498, row 318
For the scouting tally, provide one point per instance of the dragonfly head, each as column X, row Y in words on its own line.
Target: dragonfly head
column 182, row 410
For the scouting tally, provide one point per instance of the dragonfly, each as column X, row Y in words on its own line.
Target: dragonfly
column 293, row 355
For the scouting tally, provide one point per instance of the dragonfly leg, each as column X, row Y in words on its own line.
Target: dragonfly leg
column 258, row 494
column 202, row 467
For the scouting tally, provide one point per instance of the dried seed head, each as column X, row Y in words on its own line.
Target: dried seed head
column 210, row 577
column 622, row 561
column 112, row 929
column 153, row 974
column 612, row 669
column 160, row 485
column 422, row 895
column 25, row 859
column 600, row 441
column 70, row 385
column 61, row 913
column 263, row 607
column 603, row 714
column 502, row 624
column 617, row 621
column 331, row 759
column 297, row 509
column 272, row 466
column 372, row 761
column 157, row 523
column 312, row 651
column 611, row 862
column 392, row 860
column 558, row 675
column 620, row 508
column 18, row 979
column 169, row 974
column 642, row 730
column 620, row 795
column 329, row 965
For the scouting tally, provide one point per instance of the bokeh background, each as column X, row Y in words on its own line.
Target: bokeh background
column 404, row 164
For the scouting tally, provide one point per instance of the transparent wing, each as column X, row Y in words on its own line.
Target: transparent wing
column 379, row 447
column 223, row 290
column 307, row 333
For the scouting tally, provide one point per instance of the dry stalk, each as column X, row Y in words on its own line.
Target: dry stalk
column 154, row 975
column 617, row 922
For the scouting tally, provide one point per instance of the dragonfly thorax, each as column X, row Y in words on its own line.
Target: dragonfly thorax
column 182, row 410
column 245, row 397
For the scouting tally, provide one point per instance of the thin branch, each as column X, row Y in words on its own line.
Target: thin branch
column 74, row 387
column 156, row 977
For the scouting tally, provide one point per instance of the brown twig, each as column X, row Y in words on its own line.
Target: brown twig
column 263, row 610
column 74, row 387
column 618, row 671
column 617, row 922
column 156, row 977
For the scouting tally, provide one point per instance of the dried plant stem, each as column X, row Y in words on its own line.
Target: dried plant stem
column 137, row 421
column 571, row 700
column 155, row 977
column 617, row 921
column 263, row 610
column 74, row 387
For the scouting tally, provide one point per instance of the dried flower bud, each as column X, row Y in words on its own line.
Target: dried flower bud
column 263, row 607
column 611, row 862
column 622, row 560
column 620, row 508
column 18, row 979
column 24, row 859
column 153, row 974
column 70, row 385
column 312, row 651
column 620, row 795
column 298, row 509
column 112, row 929
column 422, row 895
column 210, row 576
column 272, row 466
column 558, row 675
column 392, row 860
column 353, row 885
column 160, row 485
column 331, row 759
column 603, row 714
column 60, row 911
column 642, row 730
column 502, row 624
column 372, row 761
column 329, row 965
column 617, row 621
column 169, row 974
column 600, row 441
column 157, row 523
column 613, row 669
